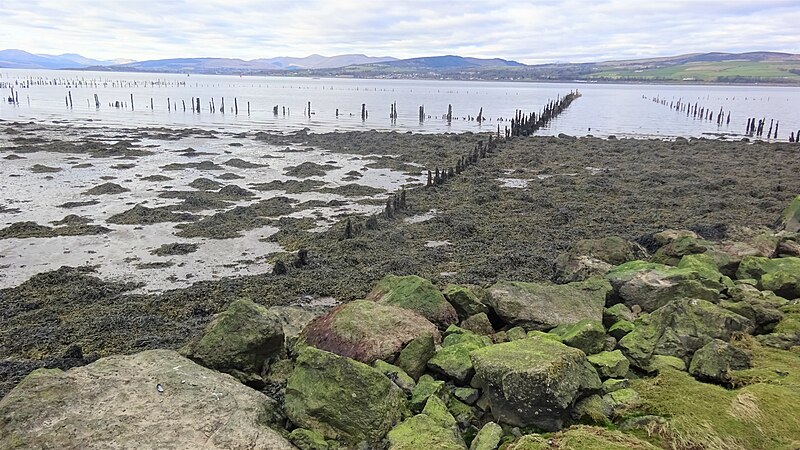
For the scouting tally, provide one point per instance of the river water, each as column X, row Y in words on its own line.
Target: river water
column 604, row 109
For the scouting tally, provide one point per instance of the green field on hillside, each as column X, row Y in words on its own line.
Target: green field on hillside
column 709, row 71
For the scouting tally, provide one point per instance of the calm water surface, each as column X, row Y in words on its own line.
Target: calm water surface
column 622, row 110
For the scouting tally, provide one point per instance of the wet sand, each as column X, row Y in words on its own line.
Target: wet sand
column 507, row 217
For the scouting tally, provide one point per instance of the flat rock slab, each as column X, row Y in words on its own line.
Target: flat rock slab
column 116, row 403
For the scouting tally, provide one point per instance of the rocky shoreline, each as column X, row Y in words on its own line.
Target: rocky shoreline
column 692, row 346
column 561, row 293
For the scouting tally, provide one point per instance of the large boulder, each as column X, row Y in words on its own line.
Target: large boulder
column 367, row 331
column 537, row 306
column 594, row 257
column 653, row 285
column 790, row 219
column 153, row 399
column 533, row 381
column 714, row 361
column 780, row 275
column 341, row 398
column 416, row 294
column 679, row 329
column 239, row 340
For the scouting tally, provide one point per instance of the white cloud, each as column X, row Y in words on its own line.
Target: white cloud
column 533, row 32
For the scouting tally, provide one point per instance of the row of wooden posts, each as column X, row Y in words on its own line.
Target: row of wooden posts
column 526, row 124
column 696, row 111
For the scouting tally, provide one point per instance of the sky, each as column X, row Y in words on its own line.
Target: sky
column 528, row 31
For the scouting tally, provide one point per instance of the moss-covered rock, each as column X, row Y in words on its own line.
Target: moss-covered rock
column 239, row 340
column 533, row 381
column 478, row 324
column 516, row 333
column 706, row 266
column 790, row 219
column 780, row 275
column 536, row 306
column 453, row 359
column 593, row 410
column 667, row 236
column 615, row 313
column 341, row 398
column 762, row 307
column 715, row 360
column 488, row 438
column 367, row 331
column 415, row 294
column 305, row 439
column 614, row 384
column 414, row 357
column 620, row 329
column 679, row 329
column 434, row 429
column 652, row 285
column 467, row 395
column 397, row 375
column 464, row 300
column 427, row 387
column 593, row 257
column 664, row 362
column 786, row 333
column 672, row 253
column 587, row 335
column 610, row 364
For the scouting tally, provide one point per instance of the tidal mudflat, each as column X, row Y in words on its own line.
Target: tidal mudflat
column 225, row 225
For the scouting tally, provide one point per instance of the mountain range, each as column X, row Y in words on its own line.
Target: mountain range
column 750, row 67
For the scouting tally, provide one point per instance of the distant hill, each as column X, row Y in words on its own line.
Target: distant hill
column 714, row 67
column 18, row 59
column 446, row 62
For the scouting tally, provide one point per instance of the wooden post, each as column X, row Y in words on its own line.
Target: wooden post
column 151, row 103
column 480, row 115
column 192, row 104
column 363, row 111
column 96, row 101
column 309, row 110
column 248, row 108
column 422, row 113
column 235, row 106
column 275, row 110
column 449, row 114
column 169, row 105
column 198, row 105
column 337, row 112
column 183, row 102
column 222, row 106
column 131, row 102
column 70, row 99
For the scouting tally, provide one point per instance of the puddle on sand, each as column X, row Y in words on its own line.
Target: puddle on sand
column 421, row 217
column 124, row 253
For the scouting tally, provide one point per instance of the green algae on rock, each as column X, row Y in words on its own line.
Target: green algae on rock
column 464, row 300
column 367, row 331
column 790, row 219
column 780, row 275
column 416, row 294
column 415, row 355
column 341, row 398
column 653, row 285
column 239, row 341
column 434, row 429
column 679, row 329
column 533, row 381
column 538, row 306
column 587, row 335
column 610, row 364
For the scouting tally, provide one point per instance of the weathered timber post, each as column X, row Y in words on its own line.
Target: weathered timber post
column 363, row 111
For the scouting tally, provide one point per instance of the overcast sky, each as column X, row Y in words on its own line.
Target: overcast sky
column 529, row 31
